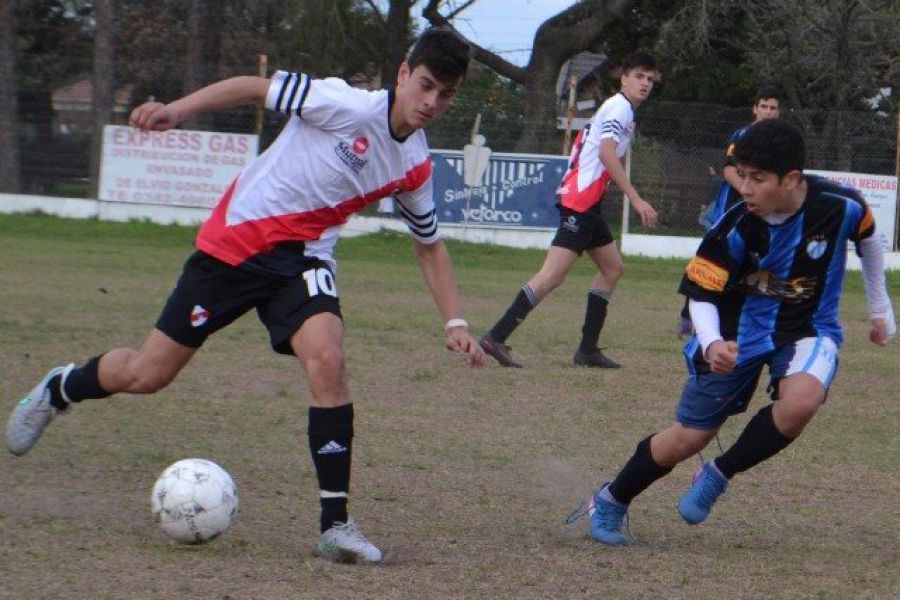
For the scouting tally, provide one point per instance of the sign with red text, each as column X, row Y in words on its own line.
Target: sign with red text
column 176, row 167
column 879, row 192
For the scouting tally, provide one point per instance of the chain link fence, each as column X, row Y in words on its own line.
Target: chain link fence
column 677, row 156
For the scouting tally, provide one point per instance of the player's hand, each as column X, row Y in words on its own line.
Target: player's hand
column 879, row 332
column 154, row 116
column 648, row 215
column 722, row 356
column 458, row 339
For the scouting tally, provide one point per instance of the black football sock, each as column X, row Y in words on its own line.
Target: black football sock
column 82, row 383
column 759, row 440
column 524, row 302
column 330, row 443
column 638, row 473
column 594, row 318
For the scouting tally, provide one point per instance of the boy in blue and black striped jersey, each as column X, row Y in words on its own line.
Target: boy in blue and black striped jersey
column 764, row 290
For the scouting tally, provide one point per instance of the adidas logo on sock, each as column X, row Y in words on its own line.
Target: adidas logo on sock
column 331, row 447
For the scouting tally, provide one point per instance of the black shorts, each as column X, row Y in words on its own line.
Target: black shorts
column 211, row 294
column 581, row 231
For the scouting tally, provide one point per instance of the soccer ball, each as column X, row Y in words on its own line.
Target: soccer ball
column 194, row 501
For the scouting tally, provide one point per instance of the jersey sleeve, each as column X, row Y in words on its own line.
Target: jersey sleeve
column 866, row 226
column 708, row 274
column 325, row 103
column 417, row 210
column 613, row 122
column 729, row 147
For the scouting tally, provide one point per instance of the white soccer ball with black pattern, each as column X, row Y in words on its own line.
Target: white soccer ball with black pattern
column 194, row 501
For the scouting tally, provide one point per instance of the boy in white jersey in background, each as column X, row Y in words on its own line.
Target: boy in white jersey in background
column 596, row 158
column 268, row 245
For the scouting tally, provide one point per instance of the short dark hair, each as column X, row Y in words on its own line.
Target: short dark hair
column 444, row 52
column 639, row 60
column 767, row 91
column 772, row 145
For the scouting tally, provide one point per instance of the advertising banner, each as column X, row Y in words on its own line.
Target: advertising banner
column 176, row 167
column 516, row 190
column 879, row 192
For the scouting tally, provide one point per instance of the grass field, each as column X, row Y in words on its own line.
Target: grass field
column 467, row 474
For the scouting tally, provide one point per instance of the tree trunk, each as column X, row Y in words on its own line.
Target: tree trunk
column 104, row 84
column 9, row 102
column 539, row 133
column 396, row 36
column 582, row 26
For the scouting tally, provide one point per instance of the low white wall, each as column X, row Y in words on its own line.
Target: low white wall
column 654, row 246
column 83, row 208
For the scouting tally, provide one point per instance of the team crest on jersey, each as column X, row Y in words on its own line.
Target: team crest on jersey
column 199, row 316
column 350, row 153
column 816, row 247
column 360, row 145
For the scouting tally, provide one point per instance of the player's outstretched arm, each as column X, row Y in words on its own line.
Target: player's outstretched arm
column 881, row 311
column 228, row 93
column 437, row 271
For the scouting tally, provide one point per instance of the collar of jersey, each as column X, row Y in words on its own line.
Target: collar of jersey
column 390, row 105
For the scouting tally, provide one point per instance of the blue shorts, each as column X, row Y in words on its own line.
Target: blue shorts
column 708, row 399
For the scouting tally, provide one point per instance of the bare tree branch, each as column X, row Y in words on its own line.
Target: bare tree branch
column 459, row 9
column 486, row 57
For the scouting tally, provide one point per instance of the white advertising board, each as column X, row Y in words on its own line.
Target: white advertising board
column 176, row 168
column 879, row 192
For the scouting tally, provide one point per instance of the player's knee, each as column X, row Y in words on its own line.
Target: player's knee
column 546, row 281
column 792, row 417
column 614, row 272
column 326, row 363
column 678, row 444
column 683, row 449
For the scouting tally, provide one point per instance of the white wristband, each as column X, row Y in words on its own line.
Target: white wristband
column 455, row 323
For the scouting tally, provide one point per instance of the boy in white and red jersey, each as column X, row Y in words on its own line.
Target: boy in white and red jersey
column 268, row 245
column 596, row 159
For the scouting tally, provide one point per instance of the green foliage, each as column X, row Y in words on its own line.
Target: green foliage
column 53, row 42
column 500, row 103
column 37, row 225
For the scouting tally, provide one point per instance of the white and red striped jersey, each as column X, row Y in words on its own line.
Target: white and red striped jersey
column 335, row 155
column 584, row 184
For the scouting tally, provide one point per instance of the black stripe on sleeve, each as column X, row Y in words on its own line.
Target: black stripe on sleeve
column 306, row 84
column 284, row 85
column 423, row 233
column 290, row 101
column 613, row 126
column 424, row 219
column 423, row 226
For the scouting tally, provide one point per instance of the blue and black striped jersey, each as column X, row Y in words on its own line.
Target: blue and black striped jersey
column 775, row 284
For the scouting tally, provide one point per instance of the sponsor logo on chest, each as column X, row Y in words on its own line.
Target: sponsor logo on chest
column 352, row 154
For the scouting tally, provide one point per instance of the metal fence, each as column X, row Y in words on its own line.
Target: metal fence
column 677, row 155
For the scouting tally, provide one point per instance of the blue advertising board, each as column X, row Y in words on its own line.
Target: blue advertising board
column 517, row 190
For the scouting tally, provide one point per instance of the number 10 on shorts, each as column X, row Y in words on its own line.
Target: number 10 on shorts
column 320, row 281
